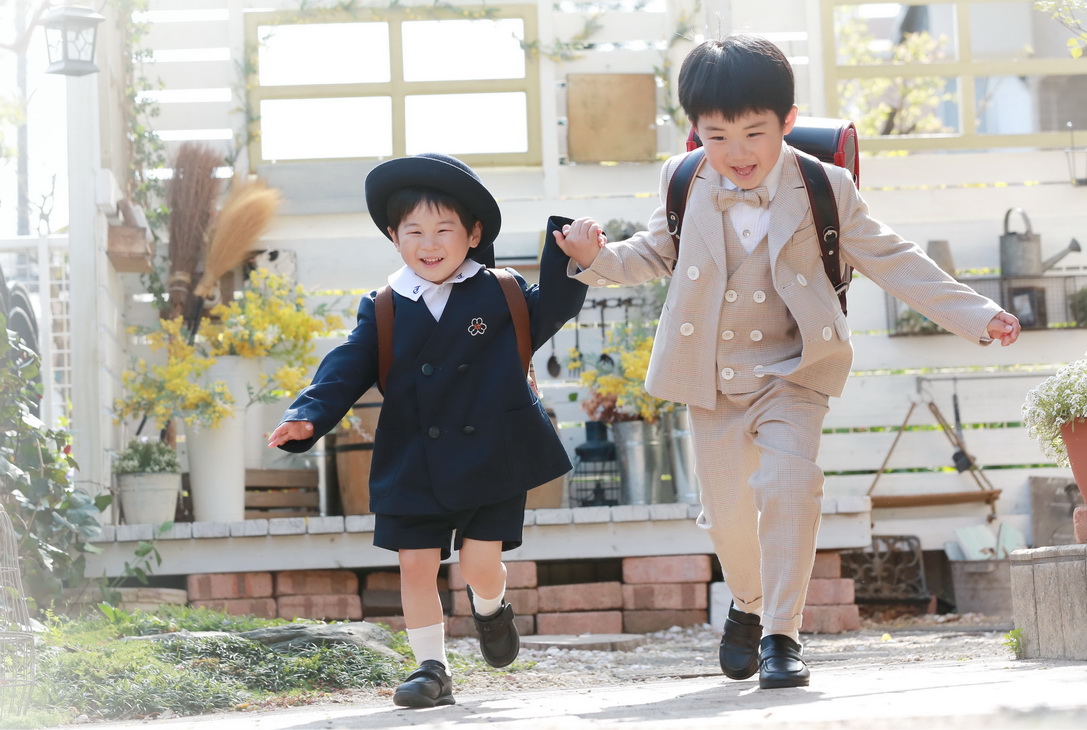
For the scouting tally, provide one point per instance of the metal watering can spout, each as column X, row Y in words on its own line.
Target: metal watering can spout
column 1050, row 262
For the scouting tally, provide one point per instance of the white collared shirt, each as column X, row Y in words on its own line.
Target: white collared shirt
column 407, row 283
column 752, row 223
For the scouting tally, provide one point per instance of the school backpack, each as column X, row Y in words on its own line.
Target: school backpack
column 515, row 298
column 830, row 140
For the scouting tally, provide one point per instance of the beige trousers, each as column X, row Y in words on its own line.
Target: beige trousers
column 762, row 493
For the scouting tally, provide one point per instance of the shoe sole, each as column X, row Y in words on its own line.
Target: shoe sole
column 418, row 701
column 783, row 683
column 740, row 675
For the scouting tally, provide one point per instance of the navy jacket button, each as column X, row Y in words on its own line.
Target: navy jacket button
column 469, row 430
column 427, row 369
column 434, row 432
column 461, row 368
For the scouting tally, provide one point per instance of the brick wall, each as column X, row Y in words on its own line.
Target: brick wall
column 634, row 595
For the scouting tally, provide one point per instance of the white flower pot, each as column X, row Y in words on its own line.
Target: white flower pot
column 149, row 498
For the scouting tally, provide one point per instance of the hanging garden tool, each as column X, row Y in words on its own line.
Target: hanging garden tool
column 554, row 367
column 605, row 360
column 962, row 460
column 246, row 215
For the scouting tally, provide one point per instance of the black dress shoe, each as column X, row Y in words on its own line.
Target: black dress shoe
column 499, row 641
column 428, row 686
column 739, row 651
column 780, row 664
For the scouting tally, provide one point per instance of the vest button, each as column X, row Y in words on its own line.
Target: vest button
column 601, row 282
column 827, row 333
column 686, row 329
column 727, row 335
column 728, row 373
column 692, row 273
column 434, row 432
column 759, row 297
column 462, row 367
column 731, row 296
column 756, row 335
column 800, row 278
column 469, row 430
column 427, row 369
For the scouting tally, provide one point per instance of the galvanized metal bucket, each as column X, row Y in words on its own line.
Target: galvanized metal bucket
column 1020, row 253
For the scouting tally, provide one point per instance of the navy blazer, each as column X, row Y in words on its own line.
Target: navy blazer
column 459, row 426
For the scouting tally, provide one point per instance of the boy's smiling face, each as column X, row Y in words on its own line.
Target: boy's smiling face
column 746, row 148
column 434, row 242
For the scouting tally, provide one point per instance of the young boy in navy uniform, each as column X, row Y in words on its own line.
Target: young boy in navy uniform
column 462, row 435
column 752, row 335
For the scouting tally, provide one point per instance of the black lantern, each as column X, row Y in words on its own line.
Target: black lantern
column 70, row 35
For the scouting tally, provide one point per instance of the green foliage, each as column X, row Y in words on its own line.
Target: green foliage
column 85, row 669
column 1015, row 643
column 51, row 516
column 1077, row 306
column 1057, row 400
column 1070, row 14
column 147, row 456
column 887, row 106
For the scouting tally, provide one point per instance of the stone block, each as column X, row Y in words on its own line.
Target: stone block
column 1072, row 574
column 630, row 513
column 359, row 523
column 330, row 607
column 134, row 533
column 394, row 623
column 665, row 596
column 1079, row 524
column 382, row 580
column 315, row 582
column 646, row 622
column 287, row 526
column 580, row 597
column 667, row 512
column 668, row 569
column 262, row 607
column 589, row 515
column 1047, row 586
column 830, row 591
column 827, row 565
column 1024, row 609
column 325, row 525
column 583, row 622
column 381, row 603
column 830, row 619
column 210, row 530
column 249, row 528
column 209, row 586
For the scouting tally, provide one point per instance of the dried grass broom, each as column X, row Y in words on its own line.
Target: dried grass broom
column 246, row 215
column 190, row 196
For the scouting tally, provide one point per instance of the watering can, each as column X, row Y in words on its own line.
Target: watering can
column 1021, row 253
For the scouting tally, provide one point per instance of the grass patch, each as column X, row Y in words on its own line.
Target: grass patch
column 87, row 666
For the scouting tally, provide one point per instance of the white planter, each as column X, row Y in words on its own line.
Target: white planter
column 149, row 498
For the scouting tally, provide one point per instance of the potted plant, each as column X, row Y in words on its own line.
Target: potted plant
column 1055, row 412
column 149, row 481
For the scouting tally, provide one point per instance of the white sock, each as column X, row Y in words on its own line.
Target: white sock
column 429, row 643
column 488, row 606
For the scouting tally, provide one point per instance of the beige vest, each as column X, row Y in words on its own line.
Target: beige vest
column 756, row 326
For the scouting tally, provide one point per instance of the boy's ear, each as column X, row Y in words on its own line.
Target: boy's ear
column 394, row 237
column 790, row 119
column 475, row 235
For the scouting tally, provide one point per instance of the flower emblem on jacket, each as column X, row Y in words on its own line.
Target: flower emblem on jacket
column 477, row 327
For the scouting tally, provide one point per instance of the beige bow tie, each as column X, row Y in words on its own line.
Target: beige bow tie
column 723, row 199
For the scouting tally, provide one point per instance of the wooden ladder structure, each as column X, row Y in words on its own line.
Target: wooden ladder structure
column 985, row 492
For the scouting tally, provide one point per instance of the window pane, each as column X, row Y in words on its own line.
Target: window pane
column 891, row 33
column 1015, row 31
column 323, row 53
column 293, row 129
column 467, row 123
column 457, row 50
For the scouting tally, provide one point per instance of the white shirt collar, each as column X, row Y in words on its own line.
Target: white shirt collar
column 407, row 283
column 772, row 179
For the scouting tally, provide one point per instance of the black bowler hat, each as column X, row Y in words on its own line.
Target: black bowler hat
column 445, row 174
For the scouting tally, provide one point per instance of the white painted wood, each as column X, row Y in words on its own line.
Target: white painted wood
column 199, row 115
column 192, row 34
column 616, row 26
column 197, row 74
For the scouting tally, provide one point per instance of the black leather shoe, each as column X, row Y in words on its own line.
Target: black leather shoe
column 780, row 664
column 499, row 641
column 739, row 651
column 428, row 686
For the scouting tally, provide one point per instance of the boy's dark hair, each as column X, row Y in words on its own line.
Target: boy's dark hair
column 403, row 201
column 734, row 76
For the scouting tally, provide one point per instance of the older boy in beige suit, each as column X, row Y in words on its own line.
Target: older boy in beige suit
column 753, row 338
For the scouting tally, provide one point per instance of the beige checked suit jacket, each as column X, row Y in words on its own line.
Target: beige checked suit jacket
column 683, row 367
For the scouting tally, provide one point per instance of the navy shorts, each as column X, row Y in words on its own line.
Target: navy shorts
column 501, row 522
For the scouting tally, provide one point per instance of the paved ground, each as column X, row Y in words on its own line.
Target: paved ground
column 913, row 678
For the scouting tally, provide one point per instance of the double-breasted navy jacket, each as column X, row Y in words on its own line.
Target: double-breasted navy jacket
column 459, row 425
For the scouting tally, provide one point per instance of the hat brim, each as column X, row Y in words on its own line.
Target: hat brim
column 441, row 173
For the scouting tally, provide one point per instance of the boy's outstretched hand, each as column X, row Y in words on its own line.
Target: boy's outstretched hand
column 1004, row 327
column 290, row 431
column 581, row 240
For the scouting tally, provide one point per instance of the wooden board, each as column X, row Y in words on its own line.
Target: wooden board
column 611, row 117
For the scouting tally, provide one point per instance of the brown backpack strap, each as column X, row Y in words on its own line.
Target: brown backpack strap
column 515, row 298
column 824, row 211
column 679, row 189
column 384, row 313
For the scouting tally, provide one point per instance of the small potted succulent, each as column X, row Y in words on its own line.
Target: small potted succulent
column 1055, row 412
column 149, row 481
